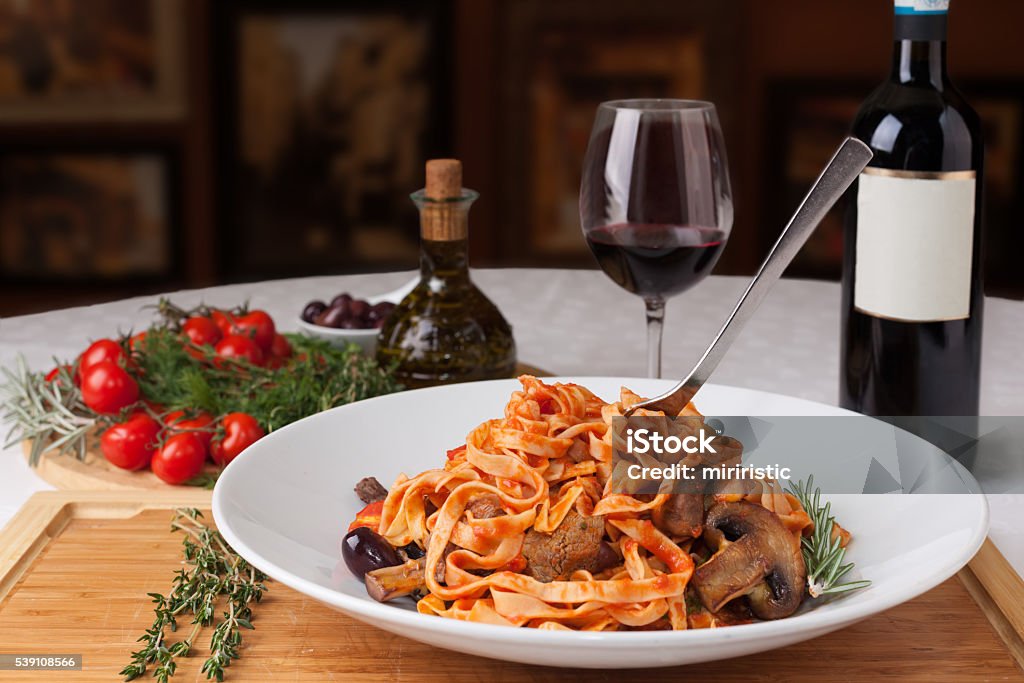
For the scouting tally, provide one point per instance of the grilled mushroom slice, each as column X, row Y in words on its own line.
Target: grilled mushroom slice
column 761, row 561
column 682, row 514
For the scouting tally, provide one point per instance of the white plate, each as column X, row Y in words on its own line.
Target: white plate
column 285, row 503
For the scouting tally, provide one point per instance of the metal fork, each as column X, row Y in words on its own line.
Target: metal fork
column 847, row 163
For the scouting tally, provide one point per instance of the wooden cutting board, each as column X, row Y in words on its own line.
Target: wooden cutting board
column 75, row 568
column 94, row 473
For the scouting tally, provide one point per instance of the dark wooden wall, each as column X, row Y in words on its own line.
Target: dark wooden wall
column 749, row 46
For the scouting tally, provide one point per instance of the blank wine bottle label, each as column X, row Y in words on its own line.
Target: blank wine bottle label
column 915, row 237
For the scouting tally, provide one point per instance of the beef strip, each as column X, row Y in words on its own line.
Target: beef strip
column 485, row 506
column 578, row 451
column 442, row 568
column 574, row 545
column 370, row 490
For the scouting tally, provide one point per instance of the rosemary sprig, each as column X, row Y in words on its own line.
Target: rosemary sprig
column 823, row 553
column 215, row 572
column 50, row 414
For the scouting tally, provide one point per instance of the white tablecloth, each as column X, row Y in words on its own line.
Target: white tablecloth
column 576, row 323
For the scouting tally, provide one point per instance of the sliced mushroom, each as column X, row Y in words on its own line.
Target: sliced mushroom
column 682, row 514
column 395, row 582
column 761, row 560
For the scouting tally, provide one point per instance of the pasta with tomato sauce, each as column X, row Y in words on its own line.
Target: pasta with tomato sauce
column 520, row 527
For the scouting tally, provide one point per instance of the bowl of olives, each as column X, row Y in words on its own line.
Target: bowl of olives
column 347, row 319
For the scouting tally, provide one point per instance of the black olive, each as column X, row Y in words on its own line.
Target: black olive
column 312, row 310
column 358, row 309
column 341, row 301
column 332, row 317
column 413, row 551
column 380, row 311
column 364, row 550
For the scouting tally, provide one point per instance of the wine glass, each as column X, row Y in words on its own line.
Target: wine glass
column 655, row 201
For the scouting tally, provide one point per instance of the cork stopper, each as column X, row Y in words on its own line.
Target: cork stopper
column 443, row 217
column 444, row 179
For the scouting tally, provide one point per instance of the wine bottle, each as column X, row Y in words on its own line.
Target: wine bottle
column 912, row 295
column 446, row 329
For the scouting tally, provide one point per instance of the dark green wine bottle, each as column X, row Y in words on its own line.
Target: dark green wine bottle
column 445, row 330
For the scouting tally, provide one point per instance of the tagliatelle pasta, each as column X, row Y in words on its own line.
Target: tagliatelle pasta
column 544, row 471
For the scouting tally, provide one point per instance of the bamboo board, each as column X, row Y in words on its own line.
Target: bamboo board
column 94, row 473
column 75, row 568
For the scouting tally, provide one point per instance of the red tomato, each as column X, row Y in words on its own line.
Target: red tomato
column 99, row 351
column 241, row 348
column 107, row 387
column 202, row 331
column 196, row 423
column 368, row 516
column 179, row 459
column 257, row 325
column 240, row 431
column 54, row 375
column 136, row 340
column 280, row 347
column 130, row 445
column 224, row 320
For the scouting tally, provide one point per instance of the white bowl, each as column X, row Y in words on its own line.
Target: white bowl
column 366, row 339
column 285, row 502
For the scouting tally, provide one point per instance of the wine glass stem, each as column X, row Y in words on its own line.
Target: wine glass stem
column 655, row 319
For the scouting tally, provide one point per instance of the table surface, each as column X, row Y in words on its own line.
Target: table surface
column 575, row 322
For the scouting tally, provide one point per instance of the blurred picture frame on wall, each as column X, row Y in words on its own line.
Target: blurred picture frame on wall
column 330, row 112
column 76, row 61
column 572, row 76
column 87, row 215
column 805, row 121
column 560, row 61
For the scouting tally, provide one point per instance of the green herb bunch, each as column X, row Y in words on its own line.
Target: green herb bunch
column 316, row 378
column 174, row 375
column 215, row 574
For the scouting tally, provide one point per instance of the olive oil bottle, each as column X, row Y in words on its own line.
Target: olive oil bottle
column 446, row 330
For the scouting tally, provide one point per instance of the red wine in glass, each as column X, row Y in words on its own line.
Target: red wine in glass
column 656, row 260
column 655, row 200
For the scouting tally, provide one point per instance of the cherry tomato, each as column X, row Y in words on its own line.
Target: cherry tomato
column 202, row 331
column 280, row 347
column 54, row 375
column 179, row 459
column 196, row 423
column 257, row 325
column 224, row 320
column 99, row 351
column 107, row 387
column 130, row 444
column 241, row 430
column 137, row 340
column 241, row 348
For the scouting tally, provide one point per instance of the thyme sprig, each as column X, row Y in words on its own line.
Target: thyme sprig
column 51, row 414
column 215, row 573
column 822, row 550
